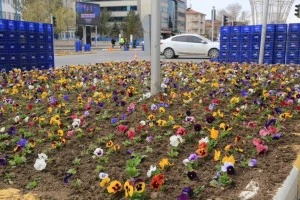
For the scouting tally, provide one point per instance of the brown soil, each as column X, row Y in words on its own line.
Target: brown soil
column 270, row 172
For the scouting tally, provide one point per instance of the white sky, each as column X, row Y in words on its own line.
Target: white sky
column 205, row 6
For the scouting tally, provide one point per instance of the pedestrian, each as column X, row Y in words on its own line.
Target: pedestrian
column 121, row 42
column 113, row 42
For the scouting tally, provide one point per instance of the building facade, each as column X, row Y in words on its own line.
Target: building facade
column 7, row 10
column 195, row 22
column 119, row 9
column 173, row 15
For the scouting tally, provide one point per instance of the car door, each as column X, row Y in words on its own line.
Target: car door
column 180, row 44
column 197, row 45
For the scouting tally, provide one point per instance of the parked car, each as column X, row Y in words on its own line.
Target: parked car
column 189, row 44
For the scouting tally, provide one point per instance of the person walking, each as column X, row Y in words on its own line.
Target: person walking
column 121, row 42
column 113, row 42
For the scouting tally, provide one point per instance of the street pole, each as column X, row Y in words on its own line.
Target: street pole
column 263, row 32
column 213, row 13
column 155, row 46
column 96, row 38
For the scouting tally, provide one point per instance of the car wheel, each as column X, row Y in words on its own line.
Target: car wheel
column 213, row 53
column 169, row 53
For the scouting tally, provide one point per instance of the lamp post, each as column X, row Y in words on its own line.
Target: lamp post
column 263, row 32
column 155, row 46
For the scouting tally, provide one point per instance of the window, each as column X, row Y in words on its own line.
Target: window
column 194, row 39
column 180, row 39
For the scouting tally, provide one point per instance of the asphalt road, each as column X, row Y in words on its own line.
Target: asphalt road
column 107, row 56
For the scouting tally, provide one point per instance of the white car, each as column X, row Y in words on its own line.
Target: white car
column 189, row 44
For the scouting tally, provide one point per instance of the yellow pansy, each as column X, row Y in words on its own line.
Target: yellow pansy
column 161, row 109
column 171, row 118
column 104, row 182
column 161, row 122
column 50, row 110
column 229, row 159
column 214, row 133
column 151, row 117
column 164, row 163
column 218, row 113
column 128, row 189
column 217, row 155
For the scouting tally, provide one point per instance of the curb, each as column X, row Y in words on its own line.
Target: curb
column 291, row 186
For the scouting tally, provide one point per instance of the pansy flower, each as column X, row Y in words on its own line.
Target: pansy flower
column 252, row 163
column 117, row 147
column 202, row 152
column 214, row 133
column 114, row 187
column 210, row 119
column 104, row 181
column 165, row 163
column 197, row 127
column 139, row 186
column 98, row 152
column 129, row 189
column 151, row 170
column 109, row 144
column 157, row 181
column 175, row 140
column 228, row 167
column 192, row 175
column 181, row 131
column 161, row 122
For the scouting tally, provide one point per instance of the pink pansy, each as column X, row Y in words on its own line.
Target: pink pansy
column 251, row 124
column 131, row 134
column 268, row 131
column 73, row 116
column 261, row 148
column 181, row 131
column 257, row 141
column 122, row 128
column 131, row 107
column 70, row 133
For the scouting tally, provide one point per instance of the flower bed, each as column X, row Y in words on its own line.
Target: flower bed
column 95, row 132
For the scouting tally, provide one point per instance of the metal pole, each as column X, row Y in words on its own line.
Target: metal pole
column 212, row 23
column 263, row 32
column 96, row 38
column 155, row 46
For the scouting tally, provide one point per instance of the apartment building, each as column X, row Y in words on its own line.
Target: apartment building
column 195, row 22
column 7, row 10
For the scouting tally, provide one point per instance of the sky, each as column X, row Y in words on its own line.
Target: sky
column 206, row 7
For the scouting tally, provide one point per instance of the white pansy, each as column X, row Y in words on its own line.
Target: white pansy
column 142, row 123
column 17, row 119
column 2, row 130
column 26, row 119
column 103, row 175
column 152, row 169
column 185, row 161
column 43, row 156
column 30, row 87
column 175, row 140
column 163, row 85
column 98, row 152
column 251, row 91
column 76, row 123
column 147, row 95
column 206, row 140
column 40, row 164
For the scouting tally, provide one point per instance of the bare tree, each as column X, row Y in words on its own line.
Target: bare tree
column 234, row 10
column 245, row 17
column 220, row 14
